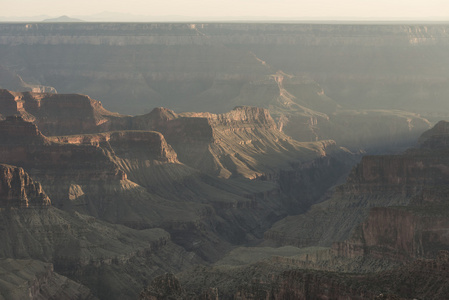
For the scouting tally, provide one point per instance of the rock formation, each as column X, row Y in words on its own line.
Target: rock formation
column 32, row 279
column 94, row 173
column 391, row 207
column 244, row 142
column 80, row 247
column 55, row 113
column 18, row 190
column 230, row 144
column 133, row 197
column 306, row 75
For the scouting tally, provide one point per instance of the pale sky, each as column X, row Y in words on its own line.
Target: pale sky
column 322, row 9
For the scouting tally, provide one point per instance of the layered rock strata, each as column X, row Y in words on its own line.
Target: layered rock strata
column 391, row 207
column 32, row 279
column 112, row 260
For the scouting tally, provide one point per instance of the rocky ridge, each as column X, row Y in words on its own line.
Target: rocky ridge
column 78, row 246
column 230, row 144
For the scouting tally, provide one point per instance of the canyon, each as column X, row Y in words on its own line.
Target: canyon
column 245, row 161
column 158, row 184
column 122, row 192
column 315, row 79
column 381, row 235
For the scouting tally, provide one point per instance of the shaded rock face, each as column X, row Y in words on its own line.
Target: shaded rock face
column 437, row 137
column 303, row 285
column 55, row 165
column 163, row 287
column 421, row 279
column 416, row 179
column 80, row 247
column 17, row 189
column 167, row 286
column 398, row 234
column 415, row 231
column 405, row 175
column 15, row 128
column 32, row 279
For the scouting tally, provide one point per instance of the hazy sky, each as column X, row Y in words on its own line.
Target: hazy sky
column 390, row 9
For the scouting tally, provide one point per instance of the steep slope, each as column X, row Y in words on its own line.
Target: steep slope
column 390, row 215
column 422, row 279
column 32, row 279
column 411, row 186
column 419, row 229
column 198, row 210
column 113, row 261
column 91, row 174
column 86, row 178
column 17, row 189
column 214, row 211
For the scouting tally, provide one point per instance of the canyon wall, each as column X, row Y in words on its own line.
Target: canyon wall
column 312, row 78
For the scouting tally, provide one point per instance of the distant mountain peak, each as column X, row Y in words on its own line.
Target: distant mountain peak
column 62, row 19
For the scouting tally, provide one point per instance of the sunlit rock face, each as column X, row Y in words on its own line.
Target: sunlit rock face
column 18, row 190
